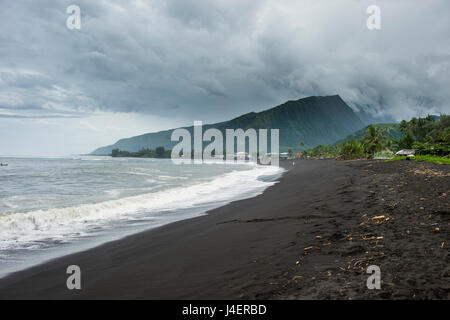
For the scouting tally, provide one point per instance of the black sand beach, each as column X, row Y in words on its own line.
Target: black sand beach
column 311, row 236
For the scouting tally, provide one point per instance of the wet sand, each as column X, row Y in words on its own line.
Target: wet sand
column 310, row 236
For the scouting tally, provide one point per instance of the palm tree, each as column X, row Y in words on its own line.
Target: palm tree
column 374, row 140
column 351, row 149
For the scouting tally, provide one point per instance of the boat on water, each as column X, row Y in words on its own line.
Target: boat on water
column 3, row 164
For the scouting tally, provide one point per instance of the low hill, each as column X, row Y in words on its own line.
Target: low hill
column 391, row 131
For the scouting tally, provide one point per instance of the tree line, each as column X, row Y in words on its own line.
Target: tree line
column 428, row 136
column 159, row 152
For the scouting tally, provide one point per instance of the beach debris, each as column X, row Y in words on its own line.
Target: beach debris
column 442, row 245
column 297, row 262
column 431, row 172
column 311, row 248
column 378, row 217
column 436, row 229
column 297, row 277
column 392, row 205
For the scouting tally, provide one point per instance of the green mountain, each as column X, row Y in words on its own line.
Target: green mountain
column 312, row 120
column 391, row 131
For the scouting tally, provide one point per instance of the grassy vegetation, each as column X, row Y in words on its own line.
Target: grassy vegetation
column 432, row 159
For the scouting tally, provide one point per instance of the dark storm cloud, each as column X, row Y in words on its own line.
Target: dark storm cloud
column 217, row 59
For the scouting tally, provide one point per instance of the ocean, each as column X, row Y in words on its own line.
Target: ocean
column 50, row 207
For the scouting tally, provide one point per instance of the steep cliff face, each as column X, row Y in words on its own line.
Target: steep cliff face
column 312, row 120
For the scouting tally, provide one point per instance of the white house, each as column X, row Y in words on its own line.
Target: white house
column 406, row 152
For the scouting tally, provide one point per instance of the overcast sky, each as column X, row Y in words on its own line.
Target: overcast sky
column 142, row 66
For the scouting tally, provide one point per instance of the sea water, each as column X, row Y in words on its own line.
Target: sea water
column 51, row 207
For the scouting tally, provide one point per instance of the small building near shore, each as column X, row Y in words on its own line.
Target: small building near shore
column 405, row 152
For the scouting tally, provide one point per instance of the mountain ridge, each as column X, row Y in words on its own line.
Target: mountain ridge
column 313, row 120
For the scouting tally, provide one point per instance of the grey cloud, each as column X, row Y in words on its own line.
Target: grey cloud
column 218, row 59
column 15, row 116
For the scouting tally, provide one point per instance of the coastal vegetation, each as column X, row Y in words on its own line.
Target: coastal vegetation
column 159, row 152
column 390, row 130
column 429, row 137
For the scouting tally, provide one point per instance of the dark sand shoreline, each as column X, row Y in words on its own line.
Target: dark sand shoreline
column 309, row 236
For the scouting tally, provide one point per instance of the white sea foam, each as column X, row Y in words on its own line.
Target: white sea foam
column 10, row 205
column 152, row 174
column 113, row 193
column 25, row 230
column 161, row 177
